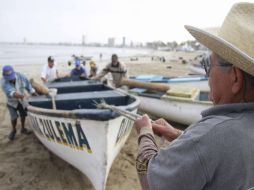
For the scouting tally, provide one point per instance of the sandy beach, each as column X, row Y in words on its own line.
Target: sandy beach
column 26, row 164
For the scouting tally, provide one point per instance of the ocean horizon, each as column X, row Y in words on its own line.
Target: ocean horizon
column 25, row 54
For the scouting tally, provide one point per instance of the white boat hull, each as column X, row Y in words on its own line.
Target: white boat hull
column 184, row 112
column 197, row 70
column 89, row 145
column 195, row 81
column 202, row 85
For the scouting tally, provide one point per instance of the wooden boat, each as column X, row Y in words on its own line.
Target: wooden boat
column 171, row 80
column 196, row 66
column 179, row 104
column 195, row 81
column 78, row 132
column 197, row 69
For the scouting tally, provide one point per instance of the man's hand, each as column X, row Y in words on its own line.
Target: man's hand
column 44, row 80
column 18, row 95
column 144, row 121
column 34, row 94
column 163, row 128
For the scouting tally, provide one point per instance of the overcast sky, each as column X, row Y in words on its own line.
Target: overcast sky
column 137, row 20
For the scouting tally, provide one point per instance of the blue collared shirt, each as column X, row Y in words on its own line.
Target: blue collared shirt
column 21, row 86
column 78, row 72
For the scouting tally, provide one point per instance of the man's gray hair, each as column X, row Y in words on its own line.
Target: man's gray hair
column 247, row 76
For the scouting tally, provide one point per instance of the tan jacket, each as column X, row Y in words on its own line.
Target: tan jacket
column 118, row 73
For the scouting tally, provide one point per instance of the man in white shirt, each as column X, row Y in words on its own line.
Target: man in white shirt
column 49, row 71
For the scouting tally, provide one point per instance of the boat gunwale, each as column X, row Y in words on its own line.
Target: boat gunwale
column 168, row 98
column 184, row 100
column 94, row 114
column 173, row 80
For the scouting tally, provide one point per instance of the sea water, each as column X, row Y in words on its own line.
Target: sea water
column 18, row 54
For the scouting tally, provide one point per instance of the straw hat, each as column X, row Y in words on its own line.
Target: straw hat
column 234, row 41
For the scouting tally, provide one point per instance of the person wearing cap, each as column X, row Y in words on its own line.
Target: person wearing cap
column 217, row 152
column 117, row 69
column 15, row 85
column 93, row 69
column 78, row 71
column 49, row 71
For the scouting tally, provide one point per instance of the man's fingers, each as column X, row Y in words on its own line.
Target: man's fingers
column 167, row 131
column 161, row 121
column 158, row 129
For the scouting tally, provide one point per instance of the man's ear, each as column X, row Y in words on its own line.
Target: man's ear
column 237, row 80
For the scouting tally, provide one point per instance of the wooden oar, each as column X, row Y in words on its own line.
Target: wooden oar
column 41, row 89
column 145, row 85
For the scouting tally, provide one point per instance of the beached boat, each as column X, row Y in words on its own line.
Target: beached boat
column 196, row 66
column 171, row 80
column 196, row 81
column 77, row 131
column 197, row 69
column 179, row 104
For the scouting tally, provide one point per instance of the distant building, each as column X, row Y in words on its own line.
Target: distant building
column 83, row 40
column 185, row 47
column 124, row 42
column 131, row 44
column 111, row 42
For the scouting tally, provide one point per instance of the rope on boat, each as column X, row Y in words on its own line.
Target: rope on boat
column 125, row 113
column 133, row 117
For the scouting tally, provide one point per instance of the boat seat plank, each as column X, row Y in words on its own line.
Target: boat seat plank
column 78, row 86
column 81, row 95
column 156, row 95
column 73, row 83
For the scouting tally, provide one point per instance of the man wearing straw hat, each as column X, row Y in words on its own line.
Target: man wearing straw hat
column 218, row 151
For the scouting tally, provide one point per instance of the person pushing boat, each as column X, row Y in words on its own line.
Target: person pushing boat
column 117, row 69
column 15, row 85
column 78, row 70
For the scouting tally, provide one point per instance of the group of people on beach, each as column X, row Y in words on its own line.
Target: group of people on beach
column 50, row 71
column 116, row 68
column 215, row 153
column 16, row 85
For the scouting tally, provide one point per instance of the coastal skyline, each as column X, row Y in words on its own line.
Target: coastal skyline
column 98, row 20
